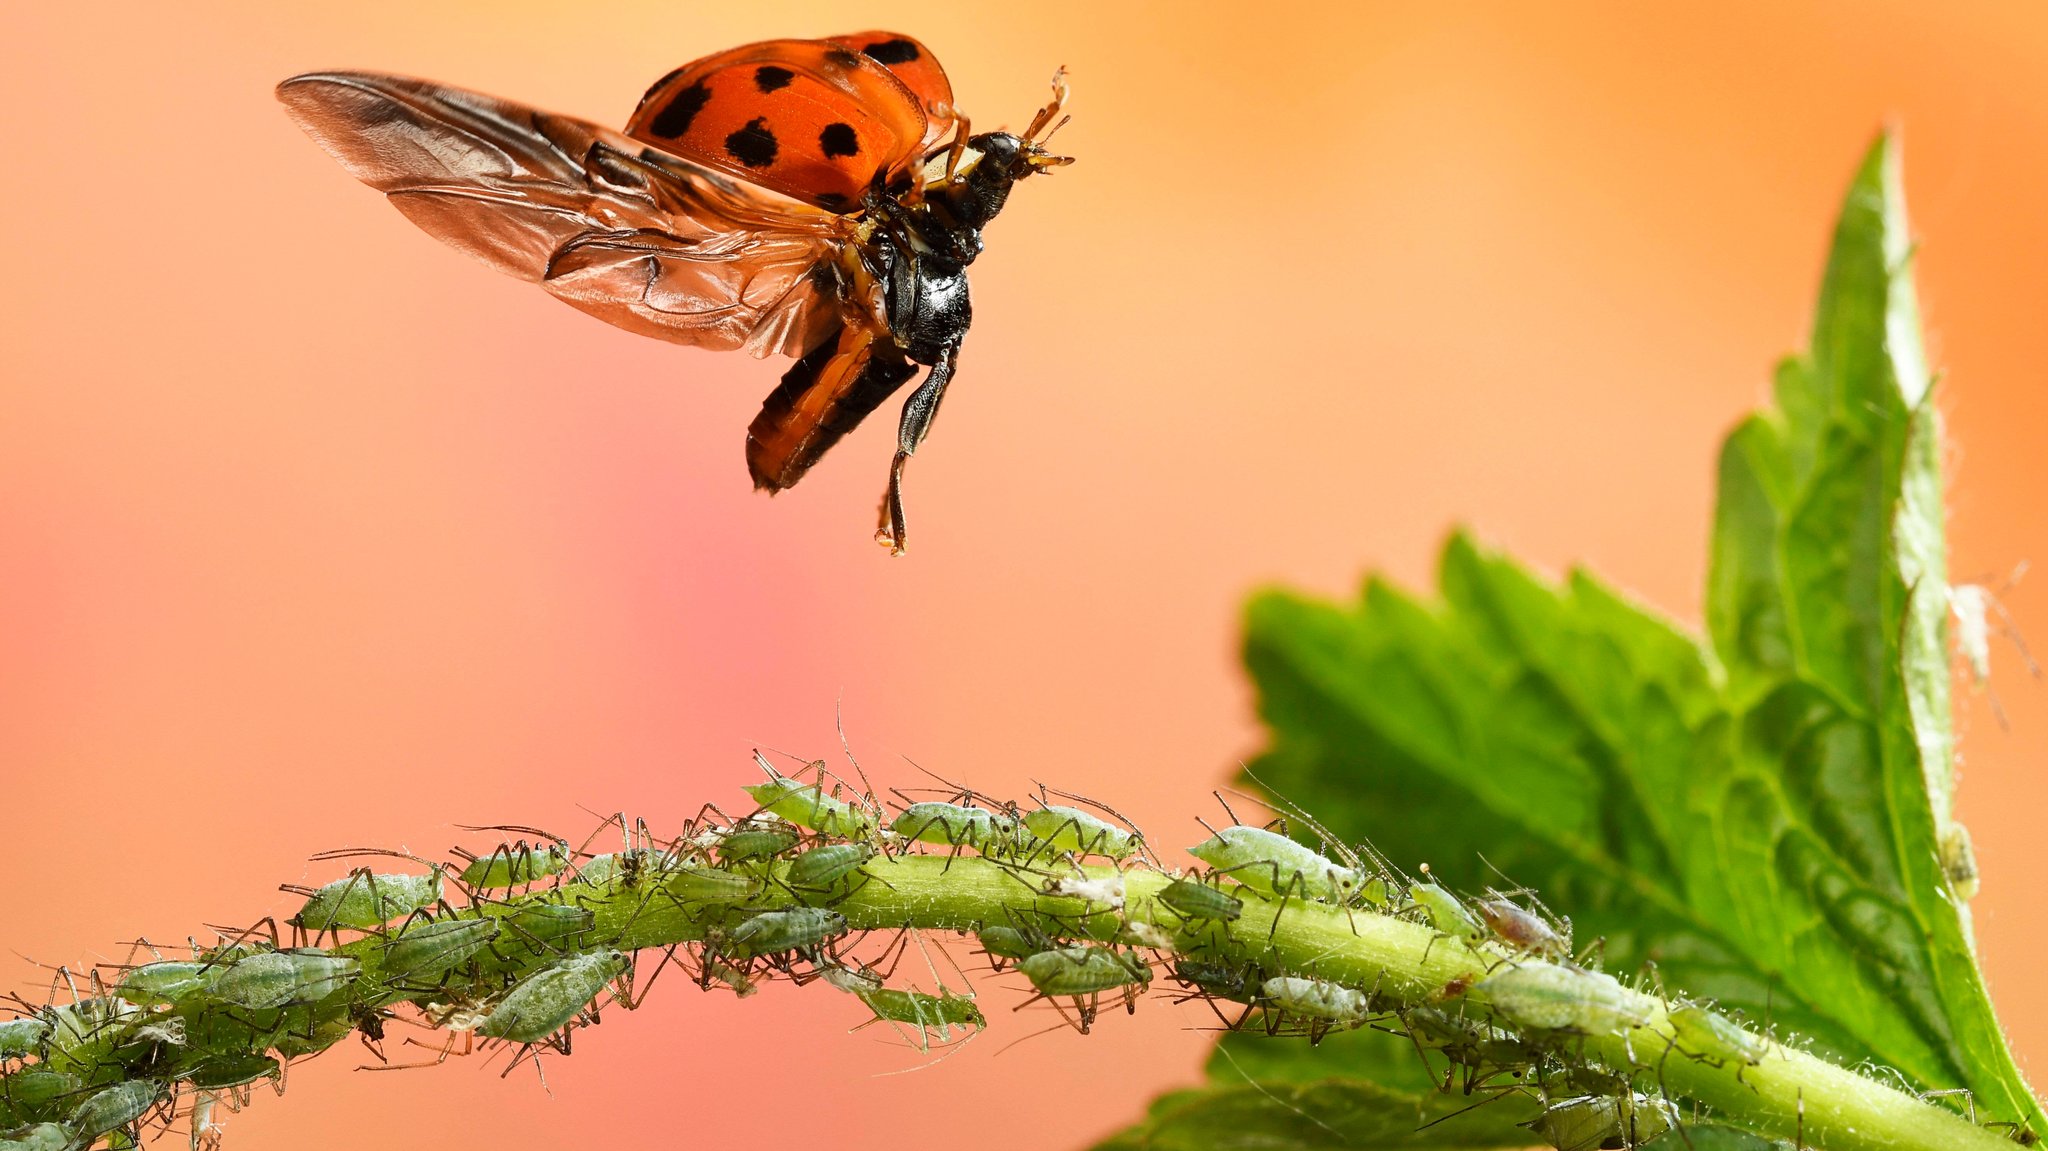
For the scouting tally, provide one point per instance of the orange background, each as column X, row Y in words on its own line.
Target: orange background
column 314, row 534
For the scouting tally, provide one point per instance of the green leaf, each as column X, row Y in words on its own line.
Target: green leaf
column 1759, row 815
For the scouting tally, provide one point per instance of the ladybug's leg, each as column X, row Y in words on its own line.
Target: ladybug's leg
column 959, row 148
column 918, row 412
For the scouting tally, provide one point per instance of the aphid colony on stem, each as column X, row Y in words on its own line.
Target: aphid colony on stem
column 517, row 947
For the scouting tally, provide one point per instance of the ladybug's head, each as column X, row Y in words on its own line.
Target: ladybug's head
column 1000, row 159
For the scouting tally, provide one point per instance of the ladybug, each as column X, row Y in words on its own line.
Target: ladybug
column 817, row 199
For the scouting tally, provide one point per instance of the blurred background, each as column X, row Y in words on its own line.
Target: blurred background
column 315, row 534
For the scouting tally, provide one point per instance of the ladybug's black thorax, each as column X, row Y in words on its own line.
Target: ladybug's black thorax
column 920, row 251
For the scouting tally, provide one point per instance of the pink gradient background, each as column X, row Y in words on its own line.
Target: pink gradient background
column 315, row 534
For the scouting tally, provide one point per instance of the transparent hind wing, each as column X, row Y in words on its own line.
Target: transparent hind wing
column 638, row 239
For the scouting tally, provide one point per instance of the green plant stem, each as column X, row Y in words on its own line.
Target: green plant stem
column 1790, row 1094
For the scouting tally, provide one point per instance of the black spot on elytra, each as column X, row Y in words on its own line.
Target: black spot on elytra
column 891, row 51
column 839, row 140
column 768, row 77
column 753, row 145
column 832, row 201
column 841, row 58
column 683, row 107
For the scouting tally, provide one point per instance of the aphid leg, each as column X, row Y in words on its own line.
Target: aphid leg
column 918, row 412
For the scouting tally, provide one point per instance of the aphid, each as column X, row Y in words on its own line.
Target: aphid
column 515, row 865
column 956, row 825
column 283, row 978
column 1587, row 1122
column 794, row 929
column 544, row 1002
column 111, row 1108
column 83, row 1034
column 165, row 981
column 427, row 950
column 362, row 901
column 218, row 1072
column 821, row 867
column 550, row 922
column 21, row 1038
column 807, row 805
column 1272, row 863
column 1472, row 1046
column 661, row 230
column 1085, row 972
column 1523, row 929
column 1082, row 833
column 42, row 1137
column 710, row 885
column 751, row 841
column 727, row 974
column 1216, row 978
column 1317, row 1005
column 1447, row 913
column 852, row 980
column 930, row 1014
column 1202, row 902
column 1959, row 862
column 1708, row 1035
column 1000, row 942
column 38, row 1092
column 1550, row 997
column 623, row 868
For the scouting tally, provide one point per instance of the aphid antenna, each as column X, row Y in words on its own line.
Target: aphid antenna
column 515, row 829
column 1223, row 1049
column 367, row 852
column 867, row 789
column 1287, row 808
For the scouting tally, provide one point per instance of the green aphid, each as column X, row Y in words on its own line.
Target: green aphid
column 1586, row 1122
column 807, row 805
column 754, row 840
column 624, row 868
column 166, row 981
column 794, row 929
column 425, row 951
column 516, row 864
column 1709, row 1035
column 1447, row 913
column 1081, row 832
column 271, row 979
column 39, row 1091
column 83, row 1035
column 550, row 922
column 932, row 1015
column 111, row 1108
column 218, row 1072
column 1193, row 899
column 43, row 1137
column 1550, row 997
column 956, row 825
column 1217, row 977
column 1084, row 970
column 1272, row 863
column 710, row 885
column 21, row 1038
column 1013, row 943
column 362, row 901
column 544, row 1002
column 821, row 867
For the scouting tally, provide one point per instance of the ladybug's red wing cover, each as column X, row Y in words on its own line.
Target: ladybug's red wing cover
column 650, row 243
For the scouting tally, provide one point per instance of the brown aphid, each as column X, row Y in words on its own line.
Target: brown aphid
column 1525, row 930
